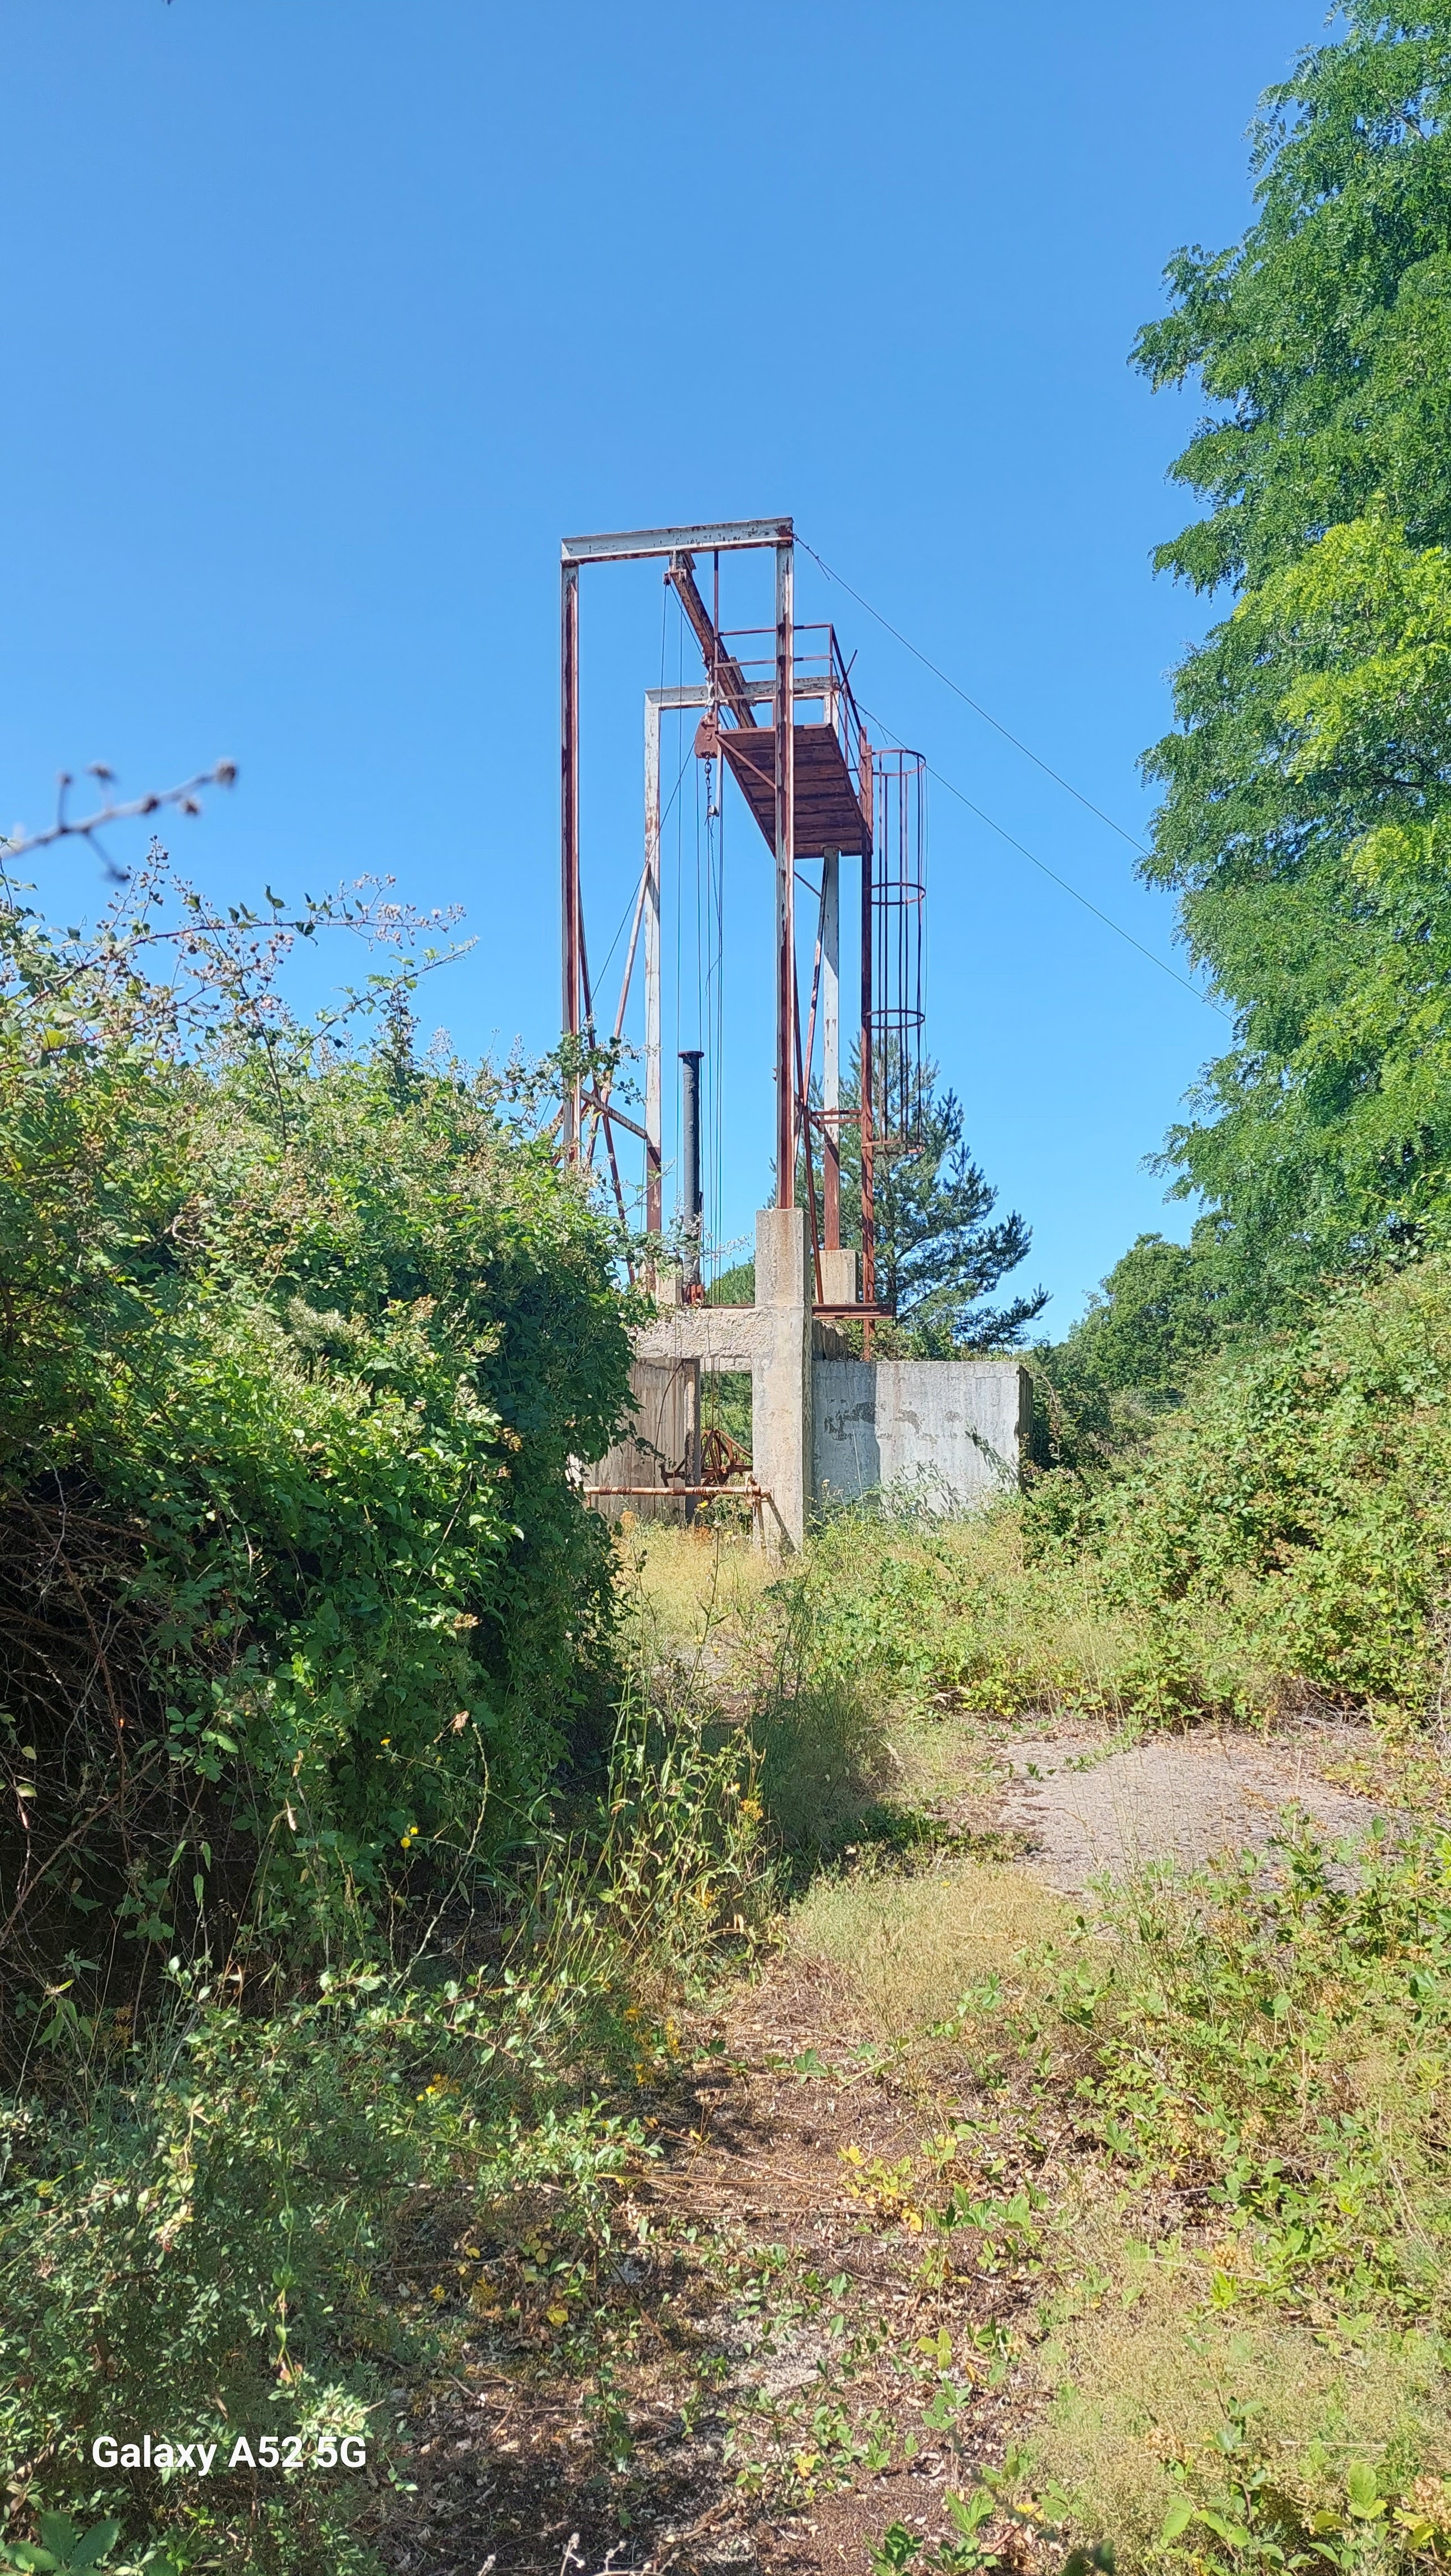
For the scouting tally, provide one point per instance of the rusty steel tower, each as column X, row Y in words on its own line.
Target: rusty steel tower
column 776, row 711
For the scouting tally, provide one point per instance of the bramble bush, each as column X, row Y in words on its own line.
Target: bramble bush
column 342, row 1869
column 298, row 1597
column 261, row 2222
column 1280, row 1542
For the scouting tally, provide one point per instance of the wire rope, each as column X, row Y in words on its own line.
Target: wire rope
column 1042, row 865
column 679, row 907
column 602, row 970
column 978, row 709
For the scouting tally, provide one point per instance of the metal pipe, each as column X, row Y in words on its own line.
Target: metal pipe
column 660, row 1492
column 831, row 1049
column 693, row 1199
column 803, row 1107
column 869, row 1238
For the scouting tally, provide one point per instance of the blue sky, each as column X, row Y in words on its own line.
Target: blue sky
column 324, row 323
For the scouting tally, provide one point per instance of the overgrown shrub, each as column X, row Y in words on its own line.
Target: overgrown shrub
column 1299, row 1504
column 1281, row 1542
column 1266, row 2056
column 298, row 1595
column 238, row 2223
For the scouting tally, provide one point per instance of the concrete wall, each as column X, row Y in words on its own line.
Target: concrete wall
column 951, row 1432
column 824, row 1430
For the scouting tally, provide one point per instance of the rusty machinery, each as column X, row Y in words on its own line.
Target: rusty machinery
column 818, row 793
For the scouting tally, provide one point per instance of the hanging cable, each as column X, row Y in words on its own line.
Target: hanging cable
column 959, row 692
column 674, row 1086
column 1042, row 865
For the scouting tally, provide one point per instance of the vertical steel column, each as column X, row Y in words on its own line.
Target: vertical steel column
column 569, row 837
column 654, row 1129
column 830, row 1048
column 869, row 1237
column 785, row 728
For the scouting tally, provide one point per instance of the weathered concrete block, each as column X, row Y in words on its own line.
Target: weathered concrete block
column 950, row 1432
column 839, row 1277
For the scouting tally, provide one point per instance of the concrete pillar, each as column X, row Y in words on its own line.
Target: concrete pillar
column 781, row 1374
column 839, row 1277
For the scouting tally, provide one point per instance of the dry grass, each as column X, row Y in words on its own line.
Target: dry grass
column 906, row 1610
column 911, row 1948
column 692, row 1588
column 1150, row 2373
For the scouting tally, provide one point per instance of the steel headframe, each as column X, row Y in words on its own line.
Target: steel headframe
column 633, row 546
column 678, row 547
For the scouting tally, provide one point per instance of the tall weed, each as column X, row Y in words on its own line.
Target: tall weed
column 248, row 2222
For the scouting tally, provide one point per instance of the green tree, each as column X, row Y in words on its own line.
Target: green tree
column 938, row 1253
column 1311, row 722
column 1152, row 1321
column 1324, row 1138
column 1159, row 1314
column 1324, row 335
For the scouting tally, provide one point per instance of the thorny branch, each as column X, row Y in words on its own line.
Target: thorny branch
column 85, row 827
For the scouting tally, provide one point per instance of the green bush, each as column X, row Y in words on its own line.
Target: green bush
column 298, row 1595
column 258, row 2224
column 1280, row 1541
column 1300, row 1505
column 230, row 2239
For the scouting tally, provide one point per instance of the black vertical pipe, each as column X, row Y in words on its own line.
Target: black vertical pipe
column 693, row 1202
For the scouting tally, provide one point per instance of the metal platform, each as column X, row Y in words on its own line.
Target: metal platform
column 827, row 804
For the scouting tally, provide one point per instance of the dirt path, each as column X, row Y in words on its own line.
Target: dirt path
column 755, row 2391
column 762, row 2349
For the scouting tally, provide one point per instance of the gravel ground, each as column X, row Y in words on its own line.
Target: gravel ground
column 1181, row 1798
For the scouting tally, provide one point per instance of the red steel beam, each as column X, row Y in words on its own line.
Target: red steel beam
column 723, row 667
column 785, row 751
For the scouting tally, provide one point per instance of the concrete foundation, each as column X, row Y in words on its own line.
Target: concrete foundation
column 948, row 1434
column 825, row 1430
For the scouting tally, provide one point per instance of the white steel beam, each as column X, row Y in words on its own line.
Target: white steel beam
column 728, row 536
column 654, row 1133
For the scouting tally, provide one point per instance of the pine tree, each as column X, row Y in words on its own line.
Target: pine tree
column 937, row 1254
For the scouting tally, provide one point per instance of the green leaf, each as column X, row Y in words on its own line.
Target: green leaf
column 1234, row 2532
column 1178, row 2518
column 98, row 2544
column 59, row 2533
column 1362, row 2489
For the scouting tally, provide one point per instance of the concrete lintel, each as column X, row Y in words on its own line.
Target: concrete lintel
column 719, row 1337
